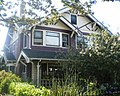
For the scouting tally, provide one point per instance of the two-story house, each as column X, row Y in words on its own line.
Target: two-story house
column 33, row 54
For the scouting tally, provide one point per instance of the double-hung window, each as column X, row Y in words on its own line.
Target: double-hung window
column 52, row 38
column 82, row 41
column 38, row 37
column 64, row 40
column 25, row 40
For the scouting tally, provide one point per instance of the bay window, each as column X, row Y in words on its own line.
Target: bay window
column 38, row 37
column 52, row 39
column 25, row 40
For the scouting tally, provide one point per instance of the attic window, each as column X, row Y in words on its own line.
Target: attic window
column 73, row 19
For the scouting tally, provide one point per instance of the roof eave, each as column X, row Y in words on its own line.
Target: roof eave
column 47, row 59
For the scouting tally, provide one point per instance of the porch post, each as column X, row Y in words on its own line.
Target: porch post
column 25, row 73
column 9, row 68
column 38, row 73
column 34, row 73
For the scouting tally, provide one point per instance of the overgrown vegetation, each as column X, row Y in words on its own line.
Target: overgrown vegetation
column 12, row 84
column 98, row 62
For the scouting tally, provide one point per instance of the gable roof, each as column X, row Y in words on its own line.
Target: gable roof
column 75, row 28
column 89, row 16
column 68, row 23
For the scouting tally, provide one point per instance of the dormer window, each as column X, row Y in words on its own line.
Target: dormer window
column 73, row 19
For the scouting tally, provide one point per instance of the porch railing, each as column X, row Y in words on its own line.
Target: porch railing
column 46, row 82
column 49, row 82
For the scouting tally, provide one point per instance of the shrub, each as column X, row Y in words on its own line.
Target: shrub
column 25, row 89
column 66, row 90
column 5, row 79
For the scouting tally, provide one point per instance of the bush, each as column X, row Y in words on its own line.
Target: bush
column 66, row 90
column 5, row 79
column 25, row 89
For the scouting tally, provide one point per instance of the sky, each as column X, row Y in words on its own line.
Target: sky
column 3, row 32
column 106, row 12
column 109, row 13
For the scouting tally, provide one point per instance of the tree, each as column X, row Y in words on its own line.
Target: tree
column 111, row 0
column 1, row 64
column 27, row 16
column 31, row 8
column 107, row 48
column 100, row 61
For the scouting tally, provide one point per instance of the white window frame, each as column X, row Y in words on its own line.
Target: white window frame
column 33, row 40
column 29, row 40
column 51, row 34
column 25, row 37
column 45, row 41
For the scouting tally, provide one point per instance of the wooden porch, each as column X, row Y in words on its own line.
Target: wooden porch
column 43, row 73
column 49, row 73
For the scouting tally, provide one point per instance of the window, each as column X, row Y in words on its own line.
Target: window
column 25, row 40
column 73, row 19
column 76, row 0
column 64, row 40
column 79, row 41
column 52, row 39
column 82, row 41
column 38, row 37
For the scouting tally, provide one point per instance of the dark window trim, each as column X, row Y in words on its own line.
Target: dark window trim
column 75, row 19
column 65, row 41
